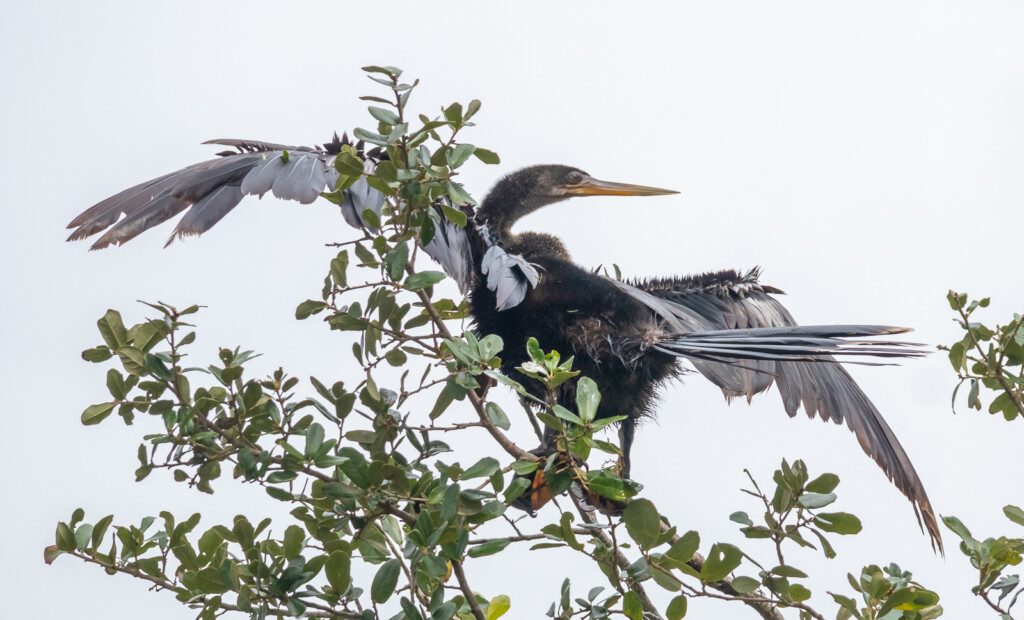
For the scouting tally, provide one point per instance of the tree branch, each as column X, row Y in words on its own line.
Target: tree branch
column 466, row 591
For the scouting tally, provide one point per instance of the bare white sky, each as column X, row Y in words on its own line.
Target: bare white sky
column 849, row 150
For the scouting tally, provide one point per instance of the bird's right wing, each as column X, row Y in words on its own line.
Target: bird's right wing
column 210, row 189
column 742, row 339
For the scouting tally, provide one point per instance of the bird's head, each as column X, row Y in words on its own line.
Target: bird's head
column 529, row 189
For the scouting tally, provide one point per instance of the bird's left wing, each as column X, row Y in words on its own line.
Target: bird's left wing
column 742, row 339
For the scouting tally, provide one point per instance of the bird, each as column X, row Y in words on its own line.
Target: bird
column 630, row 337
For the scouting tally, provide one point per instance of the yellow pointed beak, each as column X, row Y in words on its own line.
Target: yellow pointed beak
column 590, row 186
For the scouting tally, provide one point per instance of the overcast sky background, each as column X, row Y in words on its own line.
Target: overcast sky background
column 849, row 151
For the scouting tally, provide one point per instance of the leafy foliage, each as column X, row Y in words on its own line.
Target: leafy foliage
column 989, row 357
column 370, row 483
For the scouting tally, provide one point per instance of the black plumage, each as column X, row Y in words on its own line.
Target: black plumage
column 627, row 336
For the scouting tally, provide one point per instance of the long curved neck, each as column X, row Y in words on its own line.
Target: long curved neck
column 509, row 200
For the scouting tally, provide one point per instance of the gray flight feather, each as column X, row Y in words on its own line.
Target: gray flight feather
column 261, row 179
column 211, row 188
column 207, row 212
column 105, row 213
column 358, row 198
column 510, row 276
column 450, row 247
column 302, row 179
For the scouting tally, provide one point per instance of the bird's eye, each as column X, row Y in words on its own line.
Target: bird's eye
column 575, row 176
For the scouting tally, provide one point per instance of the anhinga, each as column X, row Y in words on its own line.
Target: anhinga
column 627, row 337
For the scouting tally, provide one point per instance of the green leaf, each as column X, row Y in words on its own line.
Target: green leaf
column 338, row 570
column 487, row 548
column 96, row 355
column 348, row 164
column 744, row 584
column 497, row 607
column 147, row 335
column 65, row 538
column 515, row 489
column 133, row 360
column 370, row 218
column 279, row 494
column 293, row 539
column 487, row 157
column 1014, row 514
column 389, row 71
column 384, row 581
column 564, row 414
column 423, row 279
column 676, row 608
column 383, row 115
column 454, row 113
column 789, row 571
column 523, row 468
column 314, row 439
column 94, row 414
column 497, row 416
column 799, row 593
column 607, row 484
column 632, row 608
column 112, row 329
column 643, row 522
column 838, row 522
column 484, row 467
column 210, row 581
column 396, row 259
column 972, row 396
column 958, row 356
column 450, row 503
column 909, row 599
column 100, row 530
column 82, row 536
column 682, row 550
column 458, row 195
column 587, row 398
column 458, row 155
column 369, row 136
column 816, row 500
column 455, row 216
column 308, row 308
column 741, row 517
column 959, row 529
column 825, row 483
column 722, row 560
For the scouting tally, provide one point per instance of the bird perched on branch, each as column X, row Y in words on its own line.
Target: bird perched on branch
column 629, row 337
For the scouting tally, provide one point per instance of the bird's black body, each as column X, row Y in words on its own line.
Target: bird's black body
column 628, row 337
column 574, row 312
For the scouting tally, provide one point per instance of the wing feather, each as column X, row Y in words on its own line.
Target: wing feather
column 301, row 178
column 771, row 352
column 211, row 188
column 207, row 212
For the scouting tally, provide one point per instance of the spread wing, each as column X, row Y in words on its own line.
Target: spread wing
column 210, row 189
column 207, row 191
column 706, row 308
